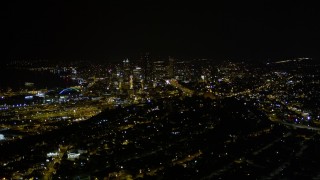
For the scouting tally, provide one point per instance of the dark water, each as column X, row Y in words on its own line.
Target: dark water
column 16, row 78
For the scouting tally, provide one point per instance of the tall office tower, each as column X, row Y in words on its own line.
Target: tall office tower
column 137, row 77
column 182, row 70
column 159, row 70
column 171, row 67
column 126, row 70
column 137, row 73
column 131, row 81
column 146, row 65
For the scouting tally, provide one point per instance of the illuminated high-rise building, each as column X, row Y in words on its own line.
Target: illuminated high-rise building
column 146, row 65
column 137, row 73
column 131, row 82
column 126, row 69
column 159, row 70
column 171, row 67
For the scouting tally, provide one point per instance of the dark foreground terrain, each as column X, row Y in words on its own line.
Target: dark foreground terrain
column 192, row 138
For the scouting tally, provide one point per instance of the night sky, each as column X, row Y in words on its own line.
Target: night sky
column 54, row 29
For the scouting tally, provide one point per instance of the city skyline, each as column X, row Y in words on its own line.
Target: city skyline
column 117, row 29
column 160, row 119
column 159, row 90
